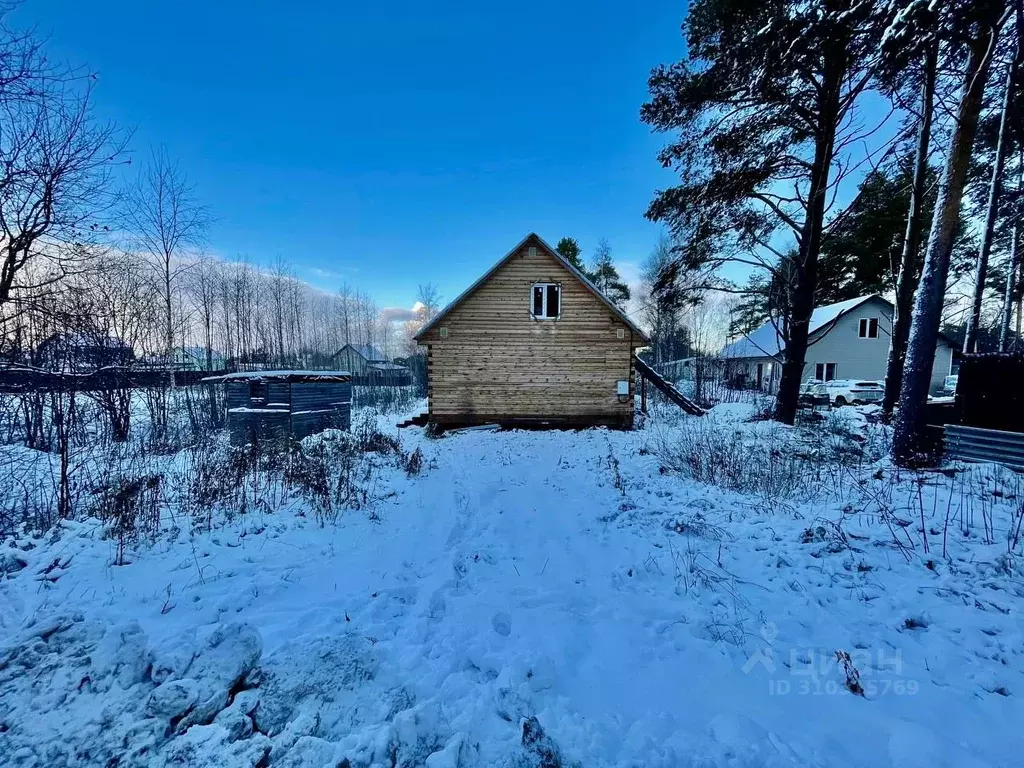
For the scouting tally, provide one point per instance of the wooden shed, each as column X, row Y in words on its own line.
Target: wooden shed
column 532, row 342
column 282, row 404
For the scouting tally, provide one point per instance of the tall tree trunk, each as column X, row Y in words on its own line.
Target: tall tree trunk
column 1020, row 318
column 994, row 191
column 910, row 261
column 801, row 305
column 168, row 322
column 208, row 329
column 924, row 328
column 1011, row 283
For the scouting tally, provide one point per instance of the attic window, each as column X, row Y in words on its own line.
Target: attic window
column 546, row 302
column 868, row 328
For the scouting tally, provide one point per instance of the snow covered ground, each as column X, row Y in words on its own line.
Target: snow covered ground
column 539, row 599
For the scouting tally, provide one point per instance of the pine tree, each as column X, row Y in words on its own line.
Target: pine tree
column 971, row 30
column 763, row 103
column 1011, row 276
column 569, row 249
column 909, row 67
column 861, row 251
column 662, row 311
column 1003, row 140
column 751, row 311
column 606, row 278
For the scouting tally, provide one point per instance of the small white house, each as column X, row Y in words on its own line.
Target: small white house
column 848, row 340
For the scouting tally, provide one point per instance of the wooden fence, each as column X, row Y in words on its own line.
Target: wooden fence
column 15, row 380
column 990, row 391
column 396, row 378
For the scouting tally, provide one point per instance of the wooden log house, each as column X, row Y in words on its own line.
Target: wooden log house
column 532, row 342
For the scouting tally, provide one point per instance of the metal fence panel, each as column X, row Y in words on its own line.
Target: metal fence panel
column 976, row 444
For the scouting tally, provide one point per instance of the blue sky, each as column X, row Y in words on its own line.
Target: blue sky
column 388, row 144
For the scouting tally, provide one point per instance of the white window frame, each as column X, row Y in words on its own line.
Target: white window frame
column 544, row 307
column 824, row 371
column 865, row 325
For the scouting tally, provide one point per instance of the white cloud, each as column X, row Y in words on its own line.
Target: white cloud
column 401, row 314
column 397, row 314
column 327, row 273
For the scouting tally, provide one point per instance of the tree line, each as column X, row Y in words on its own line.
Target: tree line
column 95, row 255
column 846, row 147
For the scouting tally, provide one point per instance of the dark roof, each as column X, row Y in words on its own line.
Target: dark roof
column 84, row 341
column 290, row 376
column 561, row 259
column 366, row 351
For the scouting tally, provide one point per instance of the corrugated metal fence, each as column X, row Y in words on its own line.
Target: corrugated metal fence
column 975, row 444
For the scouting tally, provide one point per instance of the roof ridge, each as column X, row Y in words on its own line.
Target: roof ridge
column 825, row 322
column 558, row 257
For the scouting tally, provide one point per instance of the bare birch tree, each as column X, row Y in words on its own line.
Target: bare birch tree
column 165, row 220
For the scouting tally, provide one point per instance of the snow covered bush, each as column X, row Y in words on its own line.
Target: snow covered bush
column 130, row 505
column 735, row 448
column 732, row 457
column 384, row 400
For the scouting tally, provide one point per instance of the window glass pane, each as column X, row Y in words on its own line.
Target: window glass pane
column 538, row 300
column 819, row 371
column 830, row 371
column 863, row 329
column 873, row 328
column 554, row 303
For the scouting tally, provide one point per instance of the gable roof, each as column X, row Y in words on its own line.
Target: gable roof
column 535, row 238
column 366, row 351
column 766, row 341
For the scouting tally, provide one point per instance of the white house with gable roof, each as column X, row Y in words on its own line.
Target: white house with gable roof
column 848, row 340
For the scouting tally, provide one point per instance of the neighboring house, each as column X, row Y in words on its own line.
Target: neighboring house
column 359, row 358
column 77, row 353
column 848, row 340
column 531, row 342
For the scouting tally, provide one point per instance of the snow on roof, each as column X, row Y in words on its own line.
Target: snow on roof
column 339, row 376
column 367, row 352
column 766, row 341
column 387, row 367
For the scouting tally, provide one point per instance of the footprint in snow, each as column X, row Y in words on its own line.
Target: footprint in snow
column 502, row 623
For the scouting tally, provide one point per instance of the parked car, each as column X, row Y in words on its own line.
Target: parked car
column 949, row 385
column 841, row 392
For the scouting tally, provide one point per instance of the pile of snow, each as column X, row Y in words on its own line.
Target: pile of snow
column 734, row 412
column 530, row 599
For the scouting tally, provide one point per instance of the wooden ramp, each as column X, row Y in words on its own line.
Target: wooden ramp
column 419, row 420
column 667, row 388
